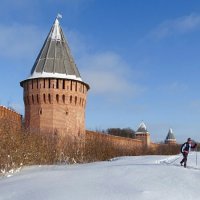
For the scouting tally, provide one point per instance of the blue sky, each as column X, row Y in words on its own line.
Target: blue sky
column 141, row 58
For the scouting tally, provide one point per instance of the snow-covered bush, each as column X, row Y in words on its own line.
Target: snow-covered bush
column 20, row 147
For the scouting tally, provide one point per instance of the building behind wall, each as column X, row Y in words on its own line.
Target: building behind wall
column 143, row 134
column 170, row 139
column 54, row 93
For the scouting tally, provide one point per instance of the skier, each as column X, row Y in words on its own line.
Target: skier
column 185, row 149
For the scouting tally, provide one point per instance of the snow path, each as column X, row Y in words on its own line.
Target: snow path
column 134, row 178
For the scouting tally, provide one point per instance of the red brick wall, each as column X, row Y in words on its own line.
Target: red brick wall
column 145, row 137
column 55, row 105
column 120, row 142
column 11, row 117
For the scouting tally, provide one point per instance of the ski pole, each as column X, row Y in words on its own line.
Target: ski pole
column 174, row 160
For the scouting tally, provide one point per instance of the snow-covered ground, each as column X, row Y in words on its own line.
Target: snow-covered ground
column 134, row 178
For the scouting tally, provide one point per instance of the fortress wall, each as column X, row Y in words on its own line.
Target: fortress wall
column 119, row 142
column 55, row 106
column 8, row 116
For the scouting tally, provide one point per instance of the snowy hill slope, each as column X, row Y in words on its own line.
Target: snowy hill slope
column 134, row 178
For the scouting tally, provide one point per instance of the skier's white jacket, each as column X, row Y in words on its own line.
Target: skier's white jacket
column 186, row 147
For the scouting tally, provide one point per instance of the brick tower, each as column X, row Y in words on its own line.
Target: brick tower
column 54, row 94
column 143, row 134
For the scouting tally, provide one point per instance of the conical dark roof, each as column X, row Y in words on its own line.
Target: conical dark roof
column 55, row 59
column 170, row 135
column 142, row 128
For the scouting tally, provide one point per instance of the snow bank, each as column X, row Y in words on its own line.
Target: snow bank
column 140, row 178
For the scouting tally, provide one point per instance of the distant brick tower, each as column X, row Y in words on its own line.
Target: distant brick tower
column 54, row 94
column 170, row 139
column 143, row 134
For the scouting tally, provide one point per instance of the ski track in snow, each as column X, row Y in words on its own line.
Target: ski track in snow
column 122, row 178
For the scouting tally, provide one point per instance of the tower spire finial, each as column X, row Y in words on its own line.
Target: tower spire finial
column 59, row 16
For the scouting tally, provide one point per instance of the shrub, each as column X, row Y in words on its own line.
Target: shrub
column 20, row 147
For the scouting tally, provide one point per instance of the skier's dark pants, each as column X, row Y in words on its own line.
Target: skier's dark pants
column 184, row 160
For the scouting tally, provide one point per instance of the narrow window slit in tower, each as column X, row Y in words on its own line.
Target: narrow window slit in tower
column 57, row 98
column 63, row 97
column 44, row 98
column 70, row 99
column 57, row 83
column 75, row 100
column 32, row 99
column 49, row 97
column 40, row 111
column 71, row 86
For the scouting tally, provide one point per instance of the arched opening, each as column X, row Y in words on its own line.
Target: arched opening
column 40, row 111
column 49, row 83
column 63, row 98
column 71, row 85
column 57, row 83
column 49, row 98
column 57, row 98
column 75, row 100
column 70, row 99
column 33, row 99
column 63, row 84
column 44, row 83
column 38, row 99
column 44, row 98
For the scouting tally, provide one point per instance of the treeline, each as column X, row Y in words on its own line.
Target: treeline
column 125, row 132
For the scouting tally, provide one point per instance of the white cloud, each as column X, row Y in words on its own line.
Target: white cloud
column 179, row 25
column 76, row 42
column 19, row 41
column 108, row 73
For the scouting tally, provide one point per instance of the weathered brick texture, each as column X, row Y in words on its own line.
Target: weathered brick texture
column 55, row 105
column 10, row 117
column 119, row 142
column 145, row 137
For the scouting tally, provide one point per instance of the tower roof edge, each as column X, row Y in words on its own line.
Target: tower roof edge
column 54, row 59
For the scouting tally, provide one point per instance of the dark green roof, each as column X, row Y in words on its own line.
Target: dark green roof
column 170, row 135
column 55, row 59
